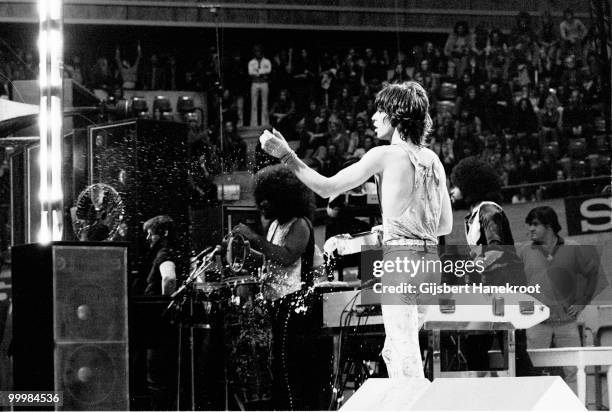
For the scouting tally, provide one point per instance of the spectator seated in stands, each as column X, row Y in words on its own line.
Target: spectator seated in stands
column 525, row 120
column 282, row 112
column 549, row 121
column 458, row 45
column 234, row 148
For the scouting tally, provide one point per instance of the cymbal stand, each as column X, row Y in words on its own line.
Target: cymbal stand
column 183, row 295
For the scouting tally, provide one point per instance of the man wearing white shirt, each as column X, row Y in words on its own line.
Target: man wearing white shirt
column 259, row 70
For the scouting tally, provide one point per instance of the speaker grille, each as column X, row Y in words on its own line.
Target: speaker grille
column 89, row 291
column 92, row 376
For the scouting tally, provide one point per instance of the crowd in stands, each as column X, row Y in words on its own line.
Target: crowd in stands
column 527, row 99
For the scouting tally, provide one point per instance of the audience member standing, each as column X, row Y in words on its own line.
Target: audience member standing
column 259, row 70
column 236, row 81
column 102, row 78
column 75, row 70
column 129, row 73
column 154, row 75
column 572, row 32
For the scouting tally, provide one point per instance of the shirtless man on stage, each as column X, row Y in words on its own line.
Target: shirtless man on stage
column 415, row 204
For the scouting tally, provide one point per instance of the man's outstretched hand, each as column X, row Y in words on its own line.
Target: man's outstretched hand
column 274, row 143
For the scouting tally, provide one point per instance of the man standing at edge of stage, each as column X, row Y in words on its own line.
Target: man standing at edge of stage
column 555, row 263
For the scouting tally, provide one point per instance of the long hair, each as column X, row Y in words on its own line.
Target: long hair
column 407, row 107
column 477, row 180
column 288, row 196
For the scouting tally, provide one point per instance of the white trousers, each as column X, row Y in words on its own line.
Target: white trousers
column 259, row 90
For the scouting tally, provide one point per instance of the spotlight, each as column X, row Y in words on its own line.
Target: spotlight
column 192, row 117
column 139, row 107
column 185, row 105
column 162, row 110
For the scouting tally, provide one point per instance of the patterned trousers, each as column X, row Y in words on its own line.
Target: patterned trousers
column 401, row 351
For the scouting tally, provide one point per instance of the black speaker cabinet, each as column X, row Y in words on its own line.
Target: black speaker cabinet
column 70, row 329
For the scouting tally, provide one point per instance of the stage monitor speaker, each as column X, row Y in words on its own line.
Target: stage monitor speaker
column 70, row 323
column 460, row 394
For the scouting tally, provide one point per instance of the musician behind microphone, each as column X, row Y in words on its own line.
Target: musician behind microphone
column 162, row 274
column 288, row 245
column 157, row 344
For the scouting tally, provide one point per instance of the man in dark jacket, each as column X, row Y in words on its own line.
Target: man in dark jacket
column 489, row 237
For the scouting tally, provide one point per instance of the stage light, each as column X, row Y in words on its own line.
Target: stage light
column 185, row 105
column 192, row 117
column 162, row 109
column 50, row 49
column 139, row 106
column 162, row 104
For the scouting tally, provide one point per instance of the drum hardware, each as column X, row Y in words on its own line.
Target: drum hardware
column 205, row 303
column 186, row 295
column 241, row 257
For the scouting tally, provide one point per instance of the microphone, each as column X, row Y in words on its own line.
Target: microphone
column 205, row 263
column 205, row 251
column 210, row 255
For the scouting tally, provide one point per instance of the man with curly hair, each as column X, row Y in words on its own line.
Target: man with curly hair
column 288, row 205
column 413, row 196
column 488, row 234
column 288, row 244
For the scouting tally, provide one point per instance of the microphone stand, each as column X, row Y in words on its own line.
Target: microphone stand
column 179, row 298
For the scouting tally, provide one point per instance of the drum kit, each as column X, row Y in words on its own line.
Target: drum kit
column 239, row 282
column 230, row 299
column 246, row 270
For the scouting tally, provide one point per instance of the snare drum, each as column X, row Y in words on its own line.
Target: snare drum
column 243, row 289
